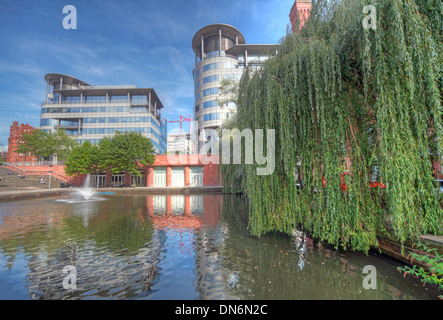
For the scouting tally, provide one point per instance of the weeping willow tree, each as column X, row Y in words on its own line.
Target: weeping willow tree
column 349, row 106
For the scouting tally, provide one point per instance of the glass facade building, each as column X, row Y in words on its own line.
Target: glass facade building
column 92, row 112
column 221, row 53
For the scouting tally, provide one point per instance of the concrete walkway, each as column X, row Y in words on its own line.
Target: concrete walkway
column 14, row 195
column 31, row 194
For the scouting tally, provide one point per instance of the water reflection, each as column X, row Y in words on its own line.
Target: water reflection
column 173, row 247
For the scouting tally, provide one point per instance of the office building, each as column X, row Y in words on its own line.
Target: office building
column 221, row 53
column 94, row 112
column 180, row 143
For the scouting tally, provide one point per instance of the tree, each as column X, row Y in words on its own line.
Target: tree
column 84, row 159
column 43, row 144
column 121, row 153
column 33, row 142
column 125, row 152
column 228, row 92
column 342, row 97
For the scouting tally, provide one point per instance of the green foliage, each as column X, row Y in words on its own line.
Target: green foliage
column 83, row 160
column 342, row 98
column 228, row 91
column 122, row 152
column 431, row 258
column 43, row 145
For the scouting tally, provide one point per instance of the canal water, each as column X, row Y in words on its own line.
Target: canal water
column 176, row 247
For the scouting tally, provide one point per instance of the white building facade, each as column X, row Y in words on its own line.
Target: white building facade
column 221, row 53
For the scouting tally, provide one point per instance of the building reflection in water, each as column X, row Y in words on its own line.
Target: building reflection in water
column 196, row 220
column 184, row 212
column 102, row 270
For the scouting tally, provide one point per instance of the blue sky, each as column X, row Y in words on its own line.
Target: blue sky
column 143, row 43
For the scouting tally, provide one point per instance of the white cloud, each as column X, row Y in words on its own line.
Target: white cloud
column 3, row 148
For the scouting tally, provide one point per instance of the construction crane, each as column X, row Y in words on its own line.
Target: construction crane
column 183, row 119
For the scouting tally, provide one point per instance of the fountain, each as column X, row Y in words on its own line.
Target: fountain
column 86, row 192
column 83, row 194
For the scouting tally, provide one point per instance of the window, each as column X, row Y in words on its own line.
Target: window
column 211, row 66
column 210, row 104
column 122, row 130
column 48, row 123
column 67, row 123
column 210, row 91
column 118, row 180
column 95, row 99
column 211, row 116
column 71, row 99
column 114, row 99
column 139, row 99
column 138, row 181
column 210, row 79
column 138, row 110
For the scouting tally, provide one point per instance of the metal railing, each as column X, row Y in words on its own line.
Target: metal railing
column 38, row 163
column 44, row 172
column 11, row 165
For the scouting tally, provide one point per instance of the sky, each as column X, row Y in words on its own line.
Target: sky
column 133, row 42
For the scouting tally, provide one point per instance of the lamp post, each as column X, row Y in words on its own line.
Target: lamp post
column 50, row 176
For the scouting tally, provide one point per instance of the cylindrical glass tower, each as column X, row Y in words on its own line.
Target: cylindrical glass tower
column 212, row 66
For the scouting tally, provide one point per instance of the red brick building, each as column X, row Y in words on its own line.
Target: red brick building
column 302, row 10
column 167, row 171
column 14, row 138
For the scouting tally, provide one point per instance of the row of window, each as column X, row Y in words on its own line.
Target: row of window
column 214, row 66
column 210, row 104
column 114, row 130
column 54, row 122
column 210, row 91
column 146, row 130
column 210, row 79
column 90, row 109
column 213, row 104
column 136, row 99
column 68, row 123
column 216, row 77
column 206, row 80
column 118, row 120
column 48, row 122
column 214, row 116
column 211, row 116
column 207, row 92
